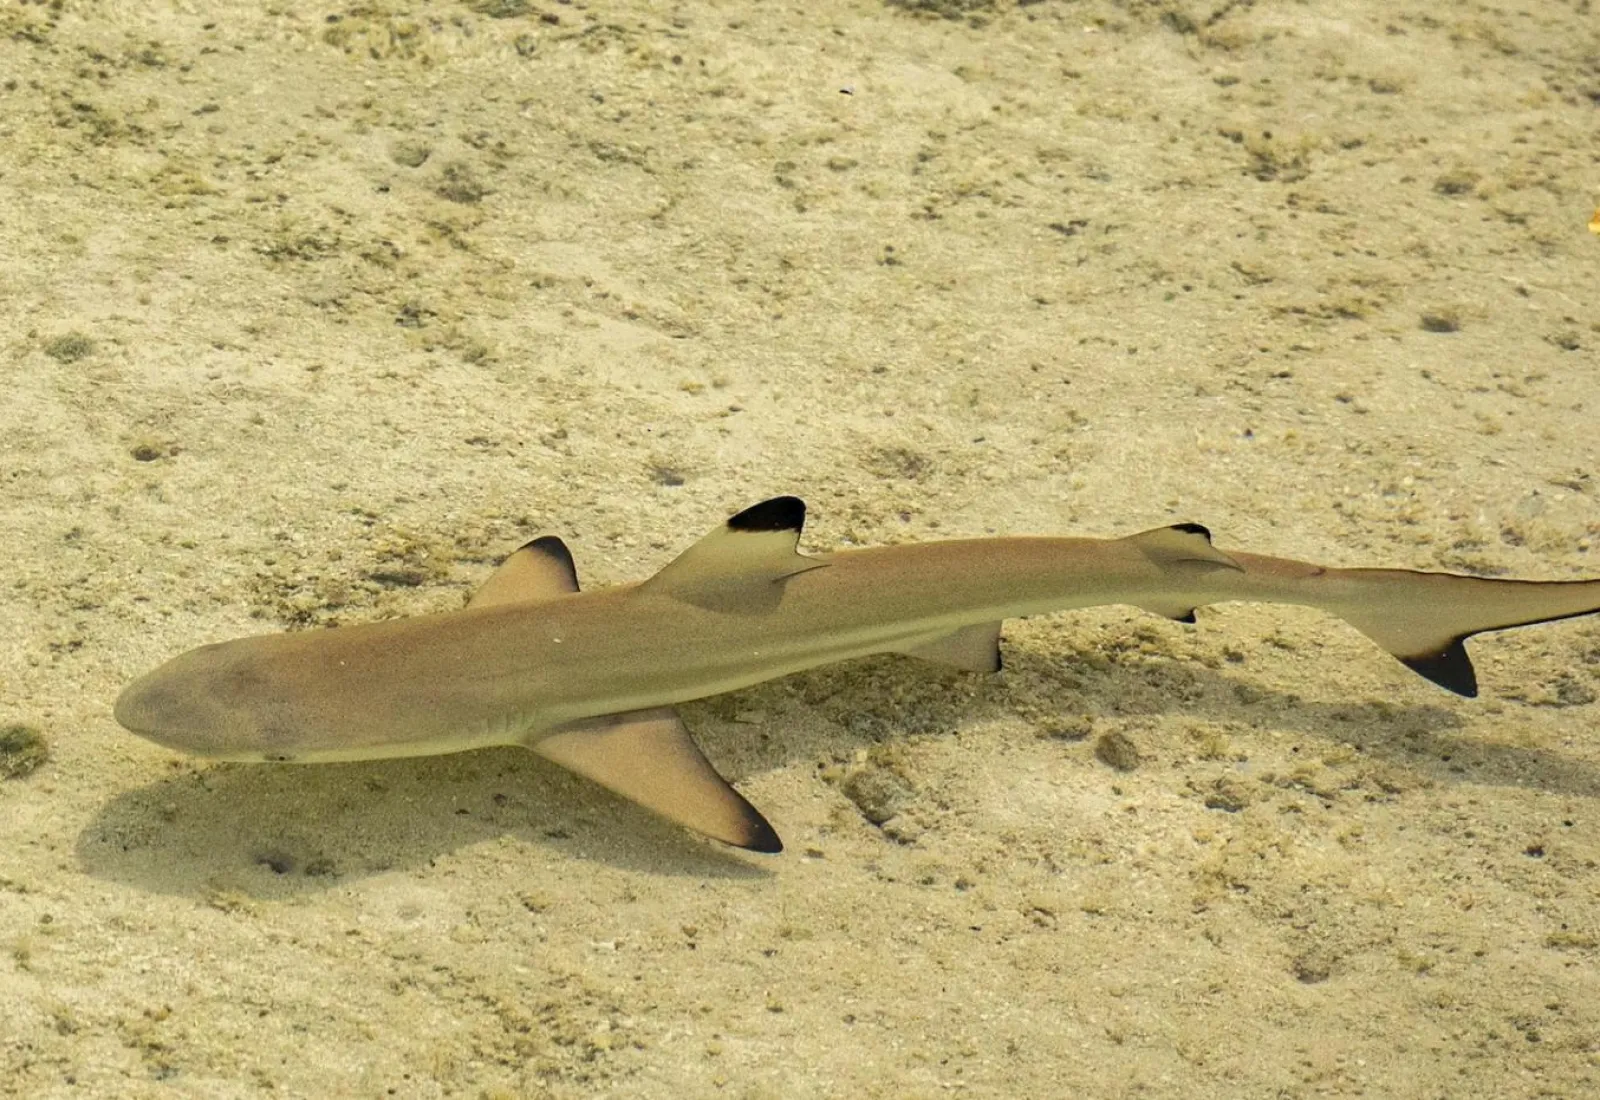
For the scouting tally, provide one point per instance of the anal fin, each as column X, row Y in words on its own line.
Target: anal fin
column 647, row 756
column 1178, row 613
column 975, row 648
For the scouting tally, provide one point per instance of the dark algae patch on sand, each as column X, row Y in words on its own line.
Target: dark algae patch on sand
column 23, row 750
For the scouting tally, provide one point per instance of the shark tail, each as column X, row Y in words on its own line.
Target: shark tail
column 1422, row 619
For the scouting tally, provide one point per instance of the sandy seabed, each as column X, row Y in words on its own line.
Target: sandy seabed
column 311, row 313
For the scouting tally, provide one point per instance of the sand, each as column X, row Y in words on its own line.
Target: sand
column 311, row 313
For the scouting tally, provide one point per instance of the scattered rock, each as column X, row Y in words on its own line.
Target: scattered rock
column 1440, row 320
column 878, row 792
column 22, row 750
column 1117, row 751
column 1312, row 967
column 1228, row 795
column 903, row 829
column 1561, row 690
column 500, row 9
column 459, row 184
column 148, row 450
column 1457, row 181
column 409, row 154
column 69, row 348
column 1074, row 728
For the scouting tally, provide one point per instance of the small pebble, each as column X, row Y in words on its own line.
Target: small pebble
column 1117, row 751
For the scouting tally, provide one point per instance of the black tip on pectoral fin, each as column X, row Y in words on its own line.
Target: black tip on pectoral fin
column 777, row 514
column 1450, row 668
column 1193, row 529
column 761, row 836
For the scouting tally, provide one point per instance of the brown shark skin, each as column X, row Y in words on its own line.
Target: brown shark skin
column 504, row 674
column 589, row 679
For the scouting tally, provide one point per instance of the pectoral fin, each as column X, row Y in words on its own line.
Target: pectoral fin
column 647, row 756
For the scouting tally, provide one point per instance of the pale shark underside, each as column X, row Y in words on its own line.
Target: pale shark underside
column 590, row 679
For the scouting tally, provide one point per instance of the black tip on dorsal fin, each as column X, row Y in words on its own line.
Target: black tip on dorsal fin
column 777, row 514
column 1193, row 529
column 555, row 551
column 1450, row 668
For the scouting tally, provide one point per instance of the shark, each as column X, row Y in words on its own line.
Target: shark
column 590, row 679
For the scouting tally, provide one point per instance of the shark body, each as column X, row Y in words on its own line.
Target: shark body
column 589, row 679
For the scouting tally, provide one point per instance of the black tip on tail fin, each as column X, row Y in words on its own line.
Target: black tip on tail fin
column 777, row 514
column 1450, row 668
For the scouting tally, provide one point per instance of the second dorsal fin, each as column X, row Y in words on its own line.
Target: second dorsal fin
column 738, row 566
column 1182, row 544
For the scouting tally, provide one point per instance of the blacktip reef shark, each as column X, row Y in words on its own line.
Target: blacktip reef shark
column 590, row 679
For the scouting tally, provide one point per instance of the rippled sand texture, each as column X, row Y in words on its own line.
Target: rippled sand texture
column 310, row 313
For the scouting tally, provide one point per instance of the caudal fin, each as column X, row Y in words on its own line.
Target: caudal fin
column 1423, row 618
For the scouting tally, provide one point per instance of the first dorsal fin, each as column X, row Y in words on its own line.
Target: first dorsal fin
column 648, row 756
column 538, row 570
column 738, row 566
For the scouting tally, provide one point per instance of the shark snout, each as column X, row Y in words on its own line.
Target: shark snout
column 140, row 706
column 182, row 705
column 154, row 708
